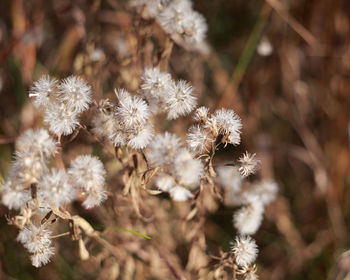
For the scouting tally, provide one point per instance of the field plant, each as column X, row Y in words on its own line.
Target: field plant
column 144, row 171
column 135, row 156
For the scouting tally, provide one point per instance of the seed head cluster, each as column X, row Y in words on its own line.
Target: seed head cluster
column 63, row 102
column 177, row 18
column 35, row 188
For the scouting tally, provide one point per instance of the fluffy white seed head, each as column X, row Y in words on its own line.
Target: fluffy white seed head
column 198, row 139
column 247, row 220
column 37, row 142
column 194, row 28
column 94, row 198
column 155, row 83
column 42, row 91
column 248, row 164
column 27, row 168
column 140, row 137
column 131, row 111
column 201, row 114
column 264, row 191
column 75, row 93
column 87, row 173
column 14, row 197
column 54, row 189
column 42, row 258
column 103, row 124
column 35, row 239
column 181, row 100
column 187, row 169
column 228, row 123
column 179, row 193
column 61, row 120
column 245, row 250
column 173, row 17
column 229, row 177
column 165, row 182
column 163, row 149
column 119, row 137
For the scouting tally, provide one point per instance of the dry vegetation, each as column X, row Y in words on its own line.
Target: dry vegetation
column 295, row 108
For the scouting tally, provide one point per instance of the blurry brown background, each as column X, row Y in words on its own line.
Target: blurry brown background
column 283, row 65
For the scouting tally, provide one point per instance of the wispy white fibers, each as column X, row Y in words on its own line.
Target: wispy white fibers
column 181, row 100
column 54, row 189
column 163, row 149
column 75, row 93
column 248, row 164
column 37, row 240
column 247, row 220
column 62, row 103
column 245, row 250
column 42, row 90
column 88, row 174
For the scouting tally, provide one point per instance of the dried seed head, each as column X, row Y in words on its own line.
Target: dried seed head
column 87, row 173
column 75, row 93
column 248, row 164
column 247, row 220
column 42, row 91
column 245, row 250
column 181, row 100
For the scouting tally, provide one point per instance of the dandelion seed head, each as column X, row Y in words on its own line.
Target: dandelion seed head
column 247, row 220
column 88, row 173
column 173, row 17
column 14, row 197
column 187, row 169
column 245, row 250
column 131, row 111
column 103, row 124
column 155, row 83
column 201, row 114
column 36, row 142
column 61, row 120
column 264, row 191
column 119, row 138
column 35, row 239
column 42, row 91
column 229, row 177
column 181, row 100
column 75, row 93
column 163, row 149
column 194, row 28
column 27, row 168
column 94, row 198
column 198, row 139
column 140, row 137
column 229, row 122
column 54, row 189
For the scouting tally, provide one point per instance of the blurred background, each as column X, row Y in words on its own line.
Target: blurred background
column 282, row 65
